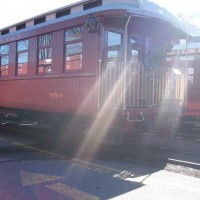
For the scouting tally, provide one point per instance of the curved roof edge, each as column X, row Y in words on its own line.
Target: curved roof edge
column 155, row 10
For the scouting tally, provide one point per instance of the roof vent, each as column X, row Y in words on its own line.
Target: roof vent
column 39, row 20
column 4, row 32
column 63, row 13
column 21, row 26
column 92, row 4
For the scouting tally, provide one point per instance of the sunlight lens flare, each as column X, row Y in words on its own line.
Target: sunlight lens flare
column 98, row 132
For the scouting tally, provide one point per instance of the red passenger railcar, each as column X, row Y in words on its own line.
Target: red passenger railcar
column 94, row 65
column 186, row 57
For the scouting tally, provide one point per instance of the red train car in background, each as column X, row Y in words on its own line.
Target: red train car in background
column 186, row 57
column 95, row 67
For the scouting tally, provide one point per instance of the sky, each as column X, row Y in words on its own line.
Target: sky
column 180, row 6
column 13, row 11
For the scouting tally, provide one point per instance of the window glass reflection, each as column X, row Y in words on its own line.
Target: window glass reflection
column 114, row 39
column 22, row 45
column 73, row 34
column 4, row 65
column 73, row 48
column 45, row 53
column 45, row 40
column 114, row 46
column 134, row 51
column 4, row 49
column 22, row 57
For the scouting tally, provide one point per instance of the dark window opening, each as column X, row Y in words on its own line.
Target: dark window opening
column 63, row 13
column 4, row 32
column 21, row 26
column 92, row 4
column 39, row 20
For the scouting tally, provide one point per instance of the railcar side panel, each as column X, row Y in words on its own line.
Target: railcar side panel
column 75, row 95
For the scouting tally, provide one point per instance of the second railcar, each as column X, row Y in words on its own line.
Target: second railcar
column 187, row 57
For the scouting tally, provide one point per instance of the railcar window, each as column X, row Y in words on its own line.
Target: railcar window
column 4, row 60
column 73, row 48
column 22, row 57
column 22, row 45
column 45, row 54
column 114, row 44
column 134, row 51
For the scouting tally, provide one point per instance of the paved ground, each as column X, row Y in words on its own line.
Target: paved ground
column 183, row 147
column 181, row 142
column 29, row 172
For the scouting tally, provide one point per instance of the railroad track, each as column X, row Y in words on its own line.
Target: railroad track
column 128, row 153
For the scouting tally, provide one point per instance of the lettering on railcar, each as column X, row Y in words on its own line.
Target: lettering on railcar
column 56, row 95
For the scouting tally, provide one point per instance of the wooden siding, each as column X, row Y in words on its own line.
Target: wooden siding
column 12, row 59
column 91, row 51
column 58, row 52
column 32, row 56
column 63, row 95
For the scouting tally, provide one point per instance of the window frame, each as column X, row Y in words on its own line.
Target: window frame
column 134, row 47
column 71, row 42
column 22, row 52
column 3, row 56
column 117, row 47
column 45, row 47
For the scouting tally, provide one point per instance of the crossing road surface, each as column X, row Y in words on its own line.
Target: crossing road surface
column 29, row 172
